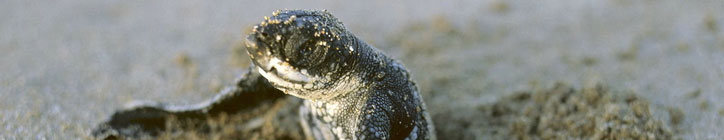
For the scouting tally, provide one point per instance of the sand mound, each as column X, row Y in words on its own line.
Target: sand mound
column 565, row 113
column 557, row 113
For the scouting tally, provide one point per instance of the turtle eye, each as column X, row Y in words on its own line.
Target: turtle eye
column 311, row 53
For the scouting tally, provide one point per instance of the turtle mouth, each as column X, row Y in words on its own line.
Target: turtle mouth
column 278, row 71
column 273, row 68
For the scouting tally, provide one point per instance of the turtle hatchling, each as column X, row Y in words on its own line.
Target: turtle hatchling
column 348, row 89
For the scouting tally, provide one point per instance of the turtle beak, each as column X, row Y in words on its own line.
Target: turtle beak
column 259, row 52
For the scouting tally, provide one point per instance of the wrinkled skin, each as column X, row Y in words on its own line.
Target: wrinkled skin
column 350, row 89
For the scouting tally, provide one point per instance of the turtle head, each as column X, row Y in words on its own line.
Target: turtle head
column 301, row 52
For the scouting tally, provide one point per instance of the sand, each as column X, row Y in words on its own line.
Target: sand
column 66, row 66
column 566, row 113
column 560, row 112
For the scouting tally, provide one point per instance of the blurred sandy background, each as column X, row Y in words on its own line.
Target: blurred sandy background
column 66, row 65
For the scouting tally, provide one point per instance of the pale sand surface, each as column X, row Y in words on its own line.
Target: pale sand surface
column 66, row 65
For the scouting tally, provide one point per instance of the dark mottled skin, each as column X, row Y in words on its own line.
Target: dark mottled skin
column 350, row 89
column 354, row 90
column 149, row 119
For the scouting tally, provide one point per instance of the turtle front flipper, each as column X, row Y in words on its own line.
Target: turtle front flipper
column 150, row 119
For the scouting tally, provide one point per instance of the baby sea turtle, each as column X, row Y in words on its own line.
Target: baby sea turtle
column 350, row 90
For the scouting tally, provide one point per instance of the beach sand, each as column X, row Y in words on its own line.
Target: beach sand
column 66, row 66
